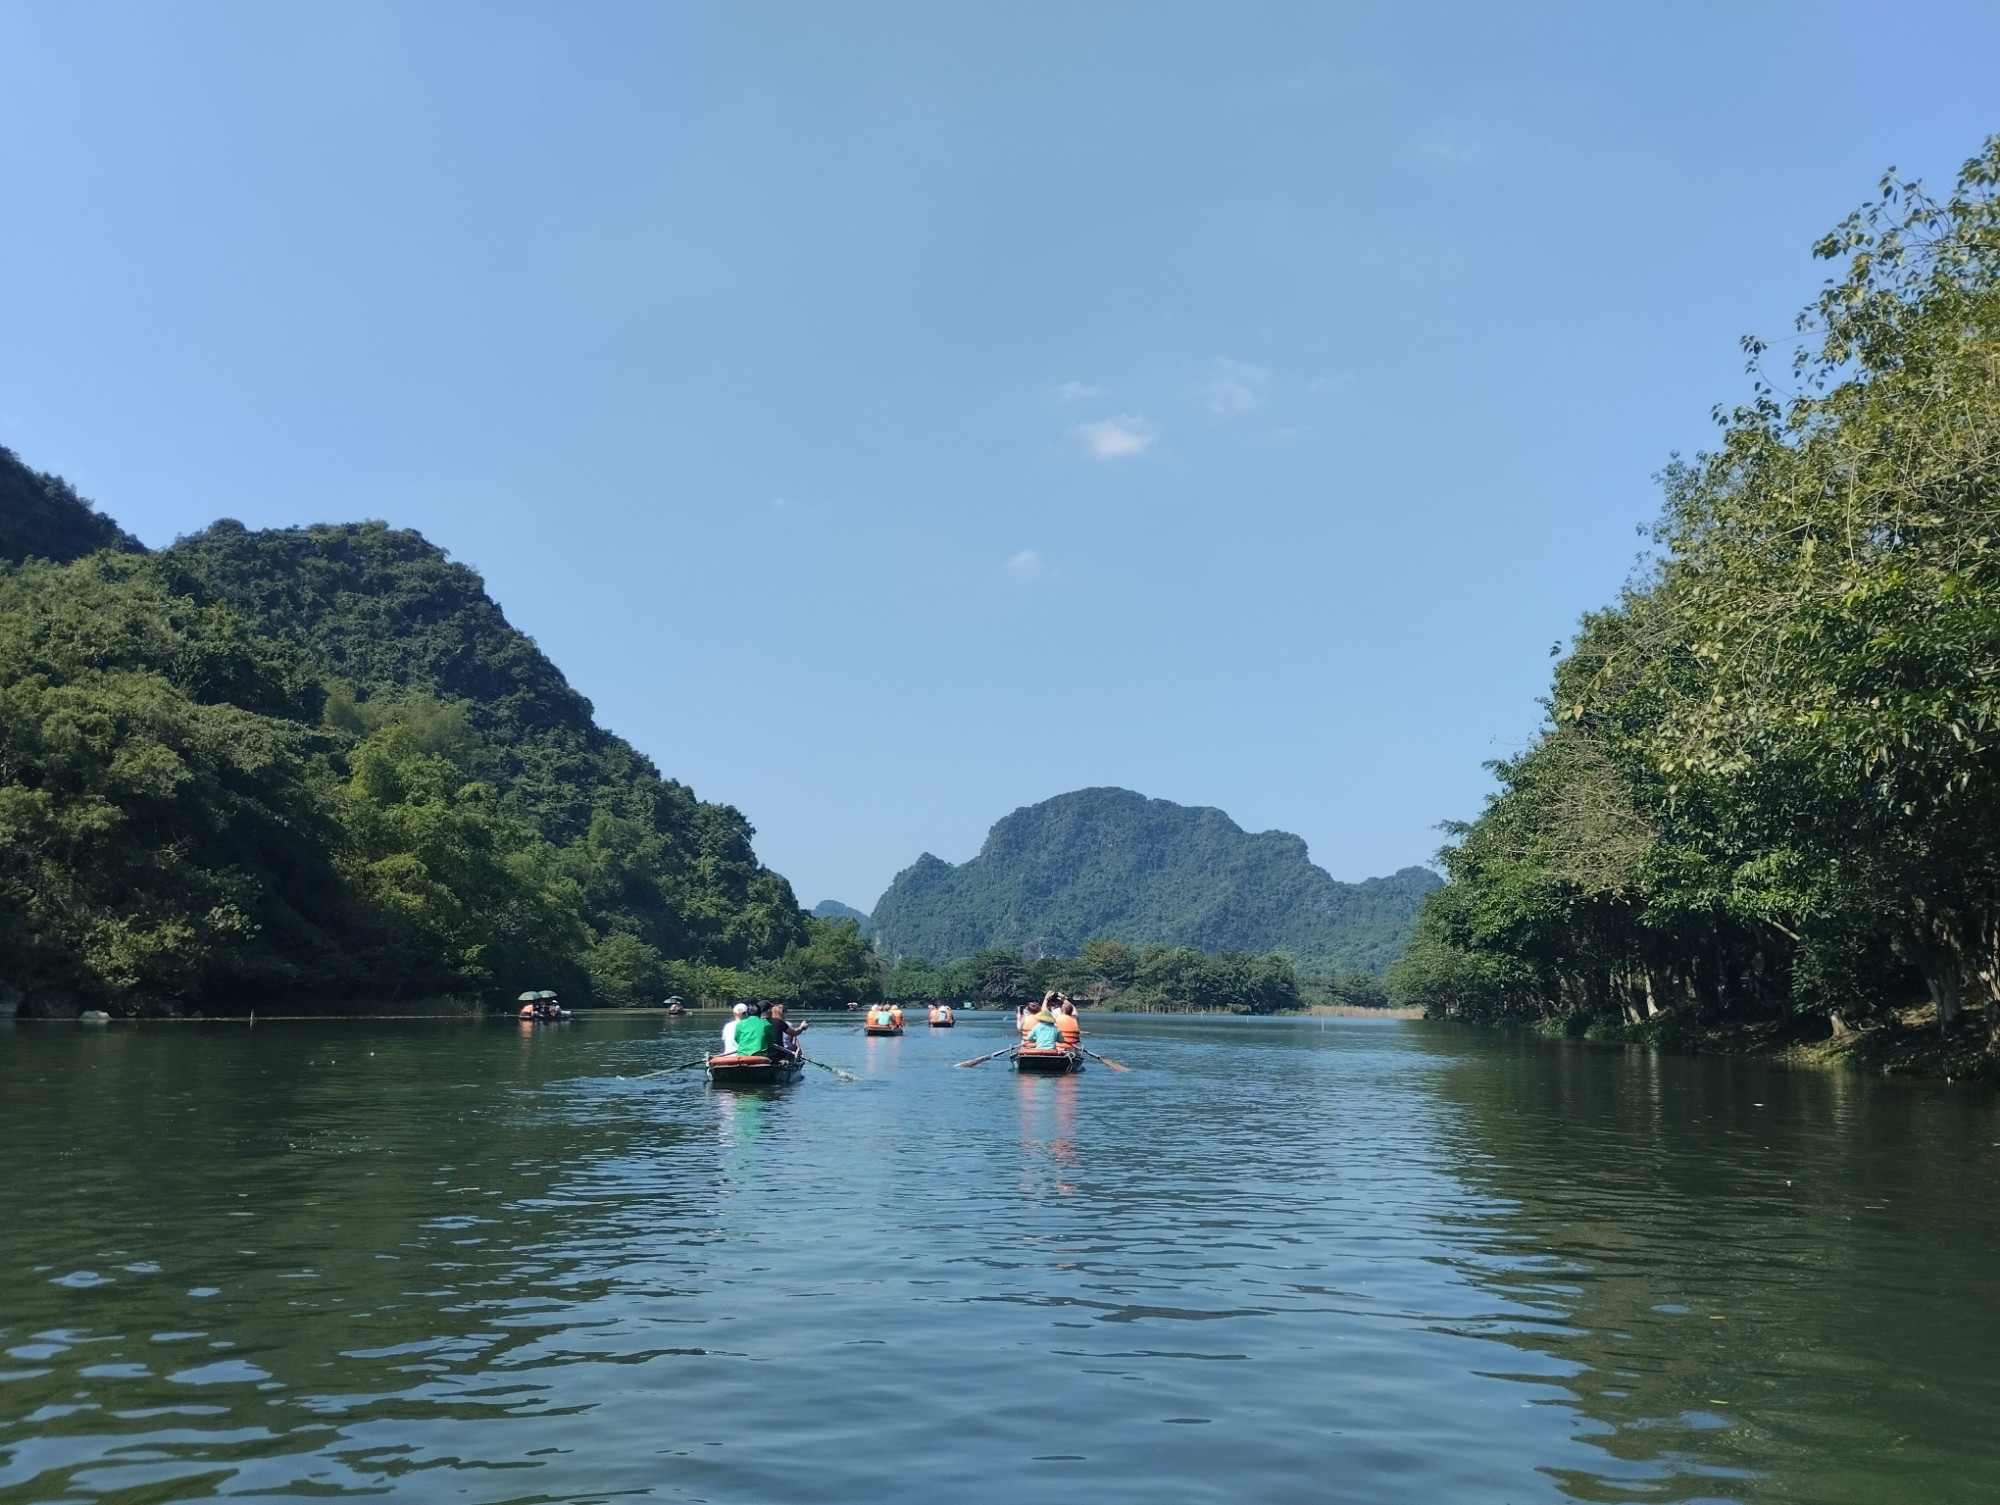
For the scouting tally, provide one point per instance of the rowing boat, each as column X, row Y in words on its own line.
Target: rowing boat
column 1053, row 1062
column 753, row 1071
column 881, row 1029
column 941, row 1019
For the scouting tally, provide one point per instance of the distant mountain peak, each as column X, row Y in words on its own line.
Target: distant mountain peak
column 1110, row 862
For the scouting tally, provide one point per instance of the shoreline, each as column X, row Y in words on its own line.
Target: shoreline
column 1903, row 1043
column 476, row 1016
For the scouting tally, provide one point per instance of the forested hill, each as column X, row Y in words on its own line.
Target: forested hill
column 42, row 517
column 1111, row 864
column 317, row 764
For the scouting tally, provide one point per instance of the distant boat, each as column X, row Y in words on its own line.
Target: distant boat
column 541, row 1008
column 753, row 1071
column 941, row 1017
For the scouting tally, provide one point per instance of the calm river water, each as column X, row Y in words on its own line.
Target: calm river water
column 1279, row 1261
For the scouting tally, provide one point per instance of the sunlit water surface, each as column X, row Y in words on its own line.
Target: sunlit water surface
column 1292, row 1260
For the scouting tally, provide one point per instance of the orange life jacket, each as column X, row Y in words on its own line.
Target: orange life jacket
column 1068, row 1028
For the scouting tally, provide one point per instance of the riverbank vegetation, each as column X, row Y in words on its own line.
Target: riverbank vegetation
column 1111, row 975
column 318, row 764
column 1768, row 793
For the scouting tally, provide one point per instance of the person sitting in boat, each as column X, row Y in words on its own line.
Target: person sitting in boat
column 1068, row 1026
column 785, row 1034
column 1026, row 1014
column 878, row 1017
column 896, row 1013
column 1042, row 1032
column 730, row 1027
column 753, row 1033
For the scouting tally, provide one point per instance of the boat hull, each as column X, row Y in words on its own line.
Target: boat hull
column 752, row 1071
column 1056, row 1062
column 882, row 1029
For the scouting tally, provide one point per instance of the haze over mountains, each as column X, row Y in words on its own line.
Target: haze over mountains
column 1111, row 864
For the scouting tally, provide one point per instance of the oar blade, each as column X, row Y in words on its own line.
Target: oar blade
column 977, row 1059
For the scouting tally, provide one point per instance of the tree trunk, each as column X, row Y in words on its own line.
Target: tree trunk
column 1941, row 977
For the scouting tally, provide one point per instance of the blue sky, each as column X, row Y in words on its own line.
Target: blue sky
column 893, row 414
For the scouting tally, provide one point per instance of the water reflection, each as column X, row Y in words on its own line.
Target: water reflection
column 1048, row 1133
column 1277, row 1261
column 1767, row 1285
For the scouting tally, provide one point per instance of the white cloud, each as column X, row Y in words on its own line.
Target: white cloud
column 1077, row 391
column 1234, row 388
column 1029, row 565
column 1115, row 438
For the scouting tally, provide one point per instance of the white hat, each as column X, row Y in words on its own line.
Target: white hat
column 742, row 1008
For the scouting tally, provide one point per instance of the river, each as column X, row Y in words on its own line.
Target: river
column 1279, row 1260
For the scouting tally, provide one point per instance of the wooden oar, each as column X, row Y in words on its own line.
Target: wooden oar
column 1101, row 1060
column 977, row 1059
column 697, row 1061
column 845, row 1076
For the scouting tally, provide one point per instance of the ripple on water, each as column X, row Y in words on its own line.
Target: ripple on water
column 1367, row 1263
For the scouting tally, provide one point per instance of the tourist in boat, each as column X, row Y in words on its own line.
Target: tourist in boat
column 1068, row 1026
column 1042, row 1032
column 879, row 1017
column 1026, row 1015
column 729, row 1028
column 785, row 1036
column 896, row 1014
column 753, row 1033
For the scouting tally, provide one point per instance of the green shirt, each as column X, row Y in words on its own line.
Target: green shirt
column 753, row 1036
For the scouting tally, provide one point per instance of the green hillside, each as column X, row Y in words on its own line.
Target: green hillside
column 833, row 909
column 42, row 517
column 1111, row 864
column 318, row 762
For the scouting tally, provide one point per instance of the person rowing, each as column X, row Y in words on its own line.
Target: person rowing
column 1042, row 1032
column 786, row 1045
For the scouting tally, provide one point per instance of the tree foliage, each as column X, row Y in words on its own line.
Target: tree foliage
column 318, row 762
column 1769, row 783
column 1110, row 974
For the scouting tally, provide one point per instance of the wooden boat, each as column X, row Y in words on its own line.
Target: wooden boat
column 881, row 1029
column 1056, row 1062
column 941, row 1019
column 541, row 1008
column 753, row 1071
